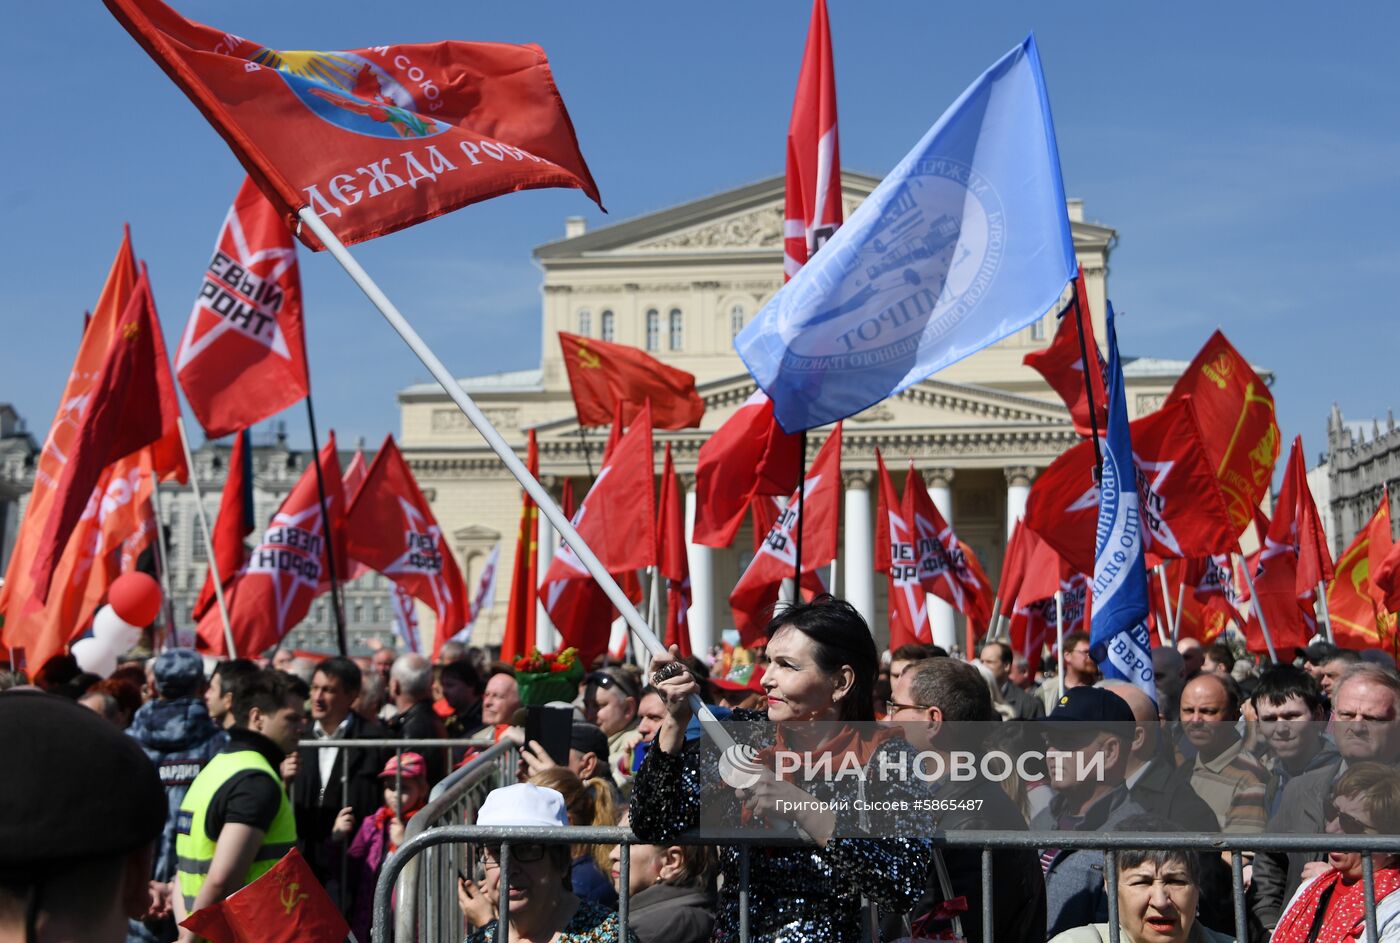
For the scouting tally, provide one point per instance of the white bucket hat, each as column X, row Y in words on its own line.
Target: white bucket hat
column 523, row 805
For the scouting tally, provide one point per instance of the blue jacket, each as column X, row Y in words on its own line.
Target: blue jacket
column 180, row 738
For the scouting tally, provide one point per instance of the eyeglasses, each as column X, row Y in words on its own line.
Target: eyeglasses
column 894, row 707
column 1350, row 824
column 529, row 853
column 605, row 679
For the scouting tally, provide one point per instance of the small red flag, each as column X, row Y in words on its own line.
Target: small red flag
column 1314, row 559
column 242, row 357
column 894, row 556
column 1013, row 569
column 391, row 529
column 350, row 483
column 1239, row 433
column 1033, row 622
column 132, row 401
column 1062, row 365
column 287, row 569
column 754, row 596
column 812, row 204
column 373, row 140
column 1385, row 561
column 235, row 522
column 605, row 376
column 1288, row 614
column 674, row 567
column 519, row 634
column 749, row 455
column 947, row 567
column 1357, row 620
column 285, row 905
column 1182, row 508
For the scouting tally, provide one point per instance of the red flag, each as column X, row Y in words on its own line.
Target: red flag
column 1238, row 430
column 287, row 569
column 1385, row 561
column 138, row 529
column 1213, row 576
column 755, row 594
column 894, row 556
column 1033, row 622
column 285, row 905
column 947, row 567
column 604, row 376
column 1288, row 614
column 375, row 139
column 1181, row 502
column 1062, row 365
column 519, row 634
column 350, row 483
column 1314, row 559
column 749, row 455
column 1357, row 621
column 1045, row 570
column 242, row 357
column 812, row 207
column 673, row 565
column 132, row 401
column 391, row 529
column 617, row 520
column 1013, row 568
column 235, row 522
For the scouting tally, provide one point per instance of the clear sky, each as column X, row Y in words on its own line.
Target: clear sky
column 1248, row 154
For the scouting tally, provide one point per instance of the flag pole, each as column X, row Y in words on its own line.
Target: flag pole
column 1060, row 638
column 341, row 642
column 208, row 540
column 1166, row 603
column 543, row 500
column 587, row 458
column 801, row 500
column 996, row 618
column 1258, row 610
column 1089, row 386
column 168, row 605
column 1322, row 607
column 1176, row 623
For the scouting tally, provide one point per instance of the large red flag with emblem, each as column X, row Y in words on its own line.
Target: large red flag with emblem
column 617, row 520
column 1238, row 430
column 672, row 565
column 1062, row 365
column 287, row 569
column 1033, row 622
column 390, row 528
column 947, row 567
column 235, row 522
column 130, row 404
column 374, row 139
column 748, row 456
column 605, row 376
column 1385, row 562
column 1359, row 619
column 242, row 357
column 812, row 203
column 285, row 905
column 518, row 636
column 754, row 596
column 894, row 556
column 1182, row 507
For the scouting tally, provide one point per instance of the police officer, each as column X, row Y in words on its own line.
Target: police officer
column 236, row 822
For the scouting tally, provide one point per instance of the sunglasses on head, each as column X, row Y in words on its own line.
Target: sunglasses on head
column 608, row 680
column 1349, row 823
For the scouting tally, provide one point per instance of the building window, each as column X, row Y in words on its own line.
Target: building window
column 736, row 320
column 653, row 329
column 608, row 329
column 677, row 329
column 1038, row 330
column 585, row 322
column 359, row 612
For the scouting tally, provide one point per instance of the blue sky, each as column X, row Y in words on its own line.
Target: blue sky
column 1248, row 154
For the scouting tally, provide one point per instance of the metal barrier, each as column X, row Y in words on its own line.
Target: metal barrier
column 1111, row 844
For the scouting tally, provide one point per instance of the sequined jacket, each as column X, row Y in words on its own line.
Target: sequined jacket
column 796, row 895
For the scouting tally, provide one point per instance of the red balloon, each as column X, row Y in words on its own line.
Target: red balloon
column 136, row 597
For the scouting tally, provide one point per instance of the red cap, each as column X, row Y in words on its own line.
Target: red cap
column 741, row 678
column 413, row 766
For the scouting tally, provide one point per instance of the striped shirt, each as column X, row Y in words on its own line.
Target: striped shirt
column 1232, row 784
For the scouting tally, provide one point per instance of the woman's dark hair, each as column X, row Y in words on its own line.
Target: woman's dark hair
column 1131, row 858
column 840, row 637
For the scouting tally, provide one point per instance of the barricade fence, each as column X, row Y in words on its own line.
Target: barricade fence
column 464, row 840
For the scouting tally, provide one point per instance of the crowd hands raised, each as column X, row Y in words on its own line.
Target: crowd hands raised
column 1311, row 748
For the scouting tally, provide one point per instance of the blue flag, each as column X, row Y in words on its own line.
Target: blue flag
column 964, row 243
column 1118, row 638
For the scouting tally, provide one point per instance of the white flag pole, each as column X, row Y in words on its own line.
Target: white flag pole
column 542, row 498
column 1060, row 638
column 1176, row 621
column 1322, row 608
column 162, row 556
column 1166, row 604
column 1258, row 610
column 208, row 539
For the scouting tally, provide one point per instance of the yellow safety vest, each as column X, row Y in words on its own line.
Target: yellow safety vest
column 194, row 849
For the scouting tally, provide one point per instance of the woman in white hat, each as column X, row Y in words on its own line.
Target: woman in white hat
column 541, row 903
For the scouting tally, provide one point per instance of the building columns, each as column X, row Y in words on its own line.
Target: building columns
column 859, row 565
column 942, row 616
column 1018, row 490
column 701, row 616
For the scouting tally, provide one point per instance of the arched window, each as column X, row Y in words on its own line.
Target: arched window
column 585, row 323
column 608, row 328
column 1038, row 330
column 736, row 320
column 653, row 329
column 677, row 329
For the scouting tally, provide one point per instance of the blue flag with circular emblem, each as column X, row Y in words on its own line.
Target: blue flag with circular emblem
column 964, row 243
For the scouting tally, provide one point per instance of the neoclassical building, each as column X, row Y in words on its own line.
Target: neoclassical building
column 680, row 283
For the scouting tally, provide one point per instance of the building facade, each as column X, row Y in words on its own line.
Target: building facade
column 1357, row 470
column 680, row 284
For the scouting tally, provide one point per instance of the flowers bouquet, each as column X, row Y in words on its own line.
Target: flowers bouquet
column 548, row 677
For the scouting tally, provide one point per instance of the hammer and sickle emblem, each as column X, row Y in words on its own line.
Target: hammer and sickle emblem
column 290, row 897
column 130, row 331
column 588, row 358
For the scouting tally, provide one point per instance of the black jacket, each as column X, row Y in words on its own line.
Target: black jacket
column 354, row 781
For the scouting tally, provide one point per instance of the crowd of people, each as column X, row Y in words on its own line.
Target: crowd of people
column 211, row 773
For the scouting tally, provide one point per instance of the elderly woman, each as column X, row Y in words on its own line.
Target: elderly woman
column 672, row 898
column 1330, row 905
column 1157, row 895
column 541, row 903
column 822, row 667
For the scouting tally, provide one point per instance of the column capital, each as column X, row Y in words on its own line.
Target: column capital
column 859, row 479
column 1020, row 474
column 550, row 482
column 687, row 480
column 938, row 477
